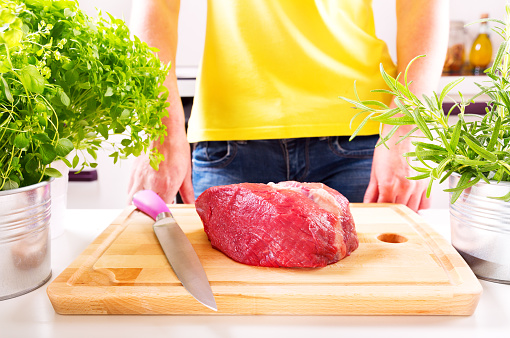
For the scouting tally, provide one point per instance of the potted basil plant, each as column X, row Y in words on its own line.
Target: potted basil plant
column 473, row 153
column 68, row 84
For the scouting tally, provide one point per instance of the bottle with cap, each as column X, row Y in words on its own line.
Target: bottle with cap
column 481, row 51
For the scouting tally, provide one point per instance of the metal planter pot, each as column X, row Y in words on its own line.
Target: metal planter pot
column 25, row 245
column 480, row 229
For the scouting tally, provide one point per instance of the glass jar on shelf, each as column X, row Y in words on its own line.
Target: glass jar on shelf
column 455, row 56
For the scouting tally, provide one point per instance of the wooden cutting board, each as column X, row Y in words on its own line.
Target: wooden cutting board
column 401, row 267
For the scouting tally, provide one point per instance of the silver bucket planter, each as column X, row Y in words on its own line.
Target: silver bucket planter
column 480, row 229
column 25, row 245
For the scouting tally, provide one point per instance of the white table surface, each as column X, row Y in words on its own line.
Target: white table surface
column 32, row 315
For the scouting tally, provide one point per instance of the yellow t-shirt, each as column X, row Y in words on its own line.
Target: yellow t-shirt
column 276, row 68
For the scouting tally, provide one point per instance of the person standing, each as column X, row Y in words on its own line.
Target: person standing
column 266, row 106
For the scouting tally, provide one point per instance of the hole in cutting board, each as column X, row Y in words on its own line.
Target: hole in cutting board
column 392, row 238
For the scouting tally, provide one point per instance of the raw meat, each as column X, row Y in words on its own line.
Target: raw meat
column 289, row 224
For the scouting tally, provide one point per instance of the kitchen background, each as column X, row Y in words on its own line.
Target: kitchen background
column 110, row 187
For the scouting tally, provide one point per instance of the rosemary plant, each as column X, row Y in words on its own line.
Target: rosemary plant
column 477, row 150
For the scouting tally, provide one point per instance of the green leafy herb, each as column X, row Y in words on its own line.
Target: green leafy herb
column 476, row 150
column 67, row 83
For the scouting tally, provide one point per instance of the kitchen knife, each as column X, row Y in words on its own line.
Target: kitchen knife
column 177, row 247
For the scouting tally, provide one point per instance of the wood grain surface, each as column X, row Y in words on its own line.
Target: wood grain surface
column 401, row 267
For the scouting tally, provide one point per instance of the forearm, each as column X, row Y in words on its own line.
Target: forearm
column 421, row 30
column 422, row 27
column 155, row 22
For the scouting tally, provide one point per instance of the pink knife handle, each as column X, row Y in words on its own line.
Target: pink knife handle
column 150, row 203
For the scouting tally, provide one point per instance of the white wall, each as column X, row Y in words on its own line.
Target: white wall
column 110, row 190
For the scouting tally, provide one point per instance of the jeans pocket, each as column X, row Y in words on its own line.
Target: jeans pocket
column 359, row 147
column 214, row 154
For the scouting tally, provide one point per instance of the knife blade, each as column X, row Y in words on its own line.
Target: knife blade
column 177, row 247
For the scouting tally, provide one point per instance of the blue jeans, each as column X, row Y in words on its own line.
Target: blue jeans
column 342, row 165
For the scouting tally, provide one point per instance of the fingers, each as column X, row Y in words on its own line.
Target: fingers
column 372, row 193
column 164, row 190
column 409, row 193
column 386, row 194
column 186, row 189
column 165, row 182
column 425, row 202
column 406, row 193
column 187, row 193
column 413, row 201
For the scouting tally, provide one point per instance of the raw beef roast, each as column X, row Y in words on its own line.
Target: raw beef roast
column 288, row 224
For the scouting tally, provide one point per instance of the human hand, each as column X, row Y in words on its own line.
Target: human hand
column 174, row 175
column 420, row 27
column 388, row 182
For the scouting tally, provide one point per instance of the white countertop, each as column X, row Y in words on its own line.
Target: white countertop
column 32, row 315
